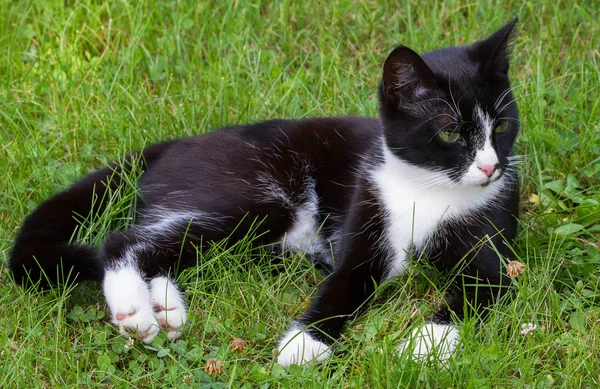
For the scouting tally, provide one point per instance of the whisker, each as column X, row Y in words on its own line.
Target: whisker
column 517, row 157
column 456, row 110
column 457, row 114
column 437, row 116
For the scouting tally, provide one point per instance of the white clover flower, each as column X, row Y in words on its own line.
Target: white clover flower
column 129, row 343
column 528, row 328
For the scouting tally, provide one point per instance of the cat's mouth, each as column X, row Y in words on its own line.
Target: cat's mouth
column 491, row 179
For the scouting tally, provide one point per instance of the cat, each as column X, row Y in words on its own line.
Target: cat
column 433, row 178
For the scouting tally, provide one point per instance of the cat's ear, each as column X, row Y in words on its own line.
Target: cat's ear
column 493, row 53
column 406, row 77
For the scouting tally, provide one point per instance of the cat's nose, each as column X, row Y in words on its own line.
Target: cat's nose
column 487, row 169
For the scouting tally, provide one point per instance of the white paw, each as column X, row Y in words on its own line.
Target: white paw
column 298, row 347
column 168, row 306
column 431, row 341
column 140, row 324
column 128, row 298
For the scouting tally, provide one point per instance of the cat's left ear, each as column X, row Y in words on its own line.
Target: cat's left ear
column 493, row 53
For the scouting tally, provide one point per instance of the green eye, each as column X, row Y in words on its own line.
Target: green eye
column 449, row 136
column 501, row 127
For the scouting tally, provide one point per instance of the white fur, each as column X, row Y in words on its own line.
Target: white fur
column 298, row 347
column 485, row 155
column 270, row 190
column 128, row 297
column 166, row 222
column 168, row 305
column 304, row 234
column 169, row 222
column 416, row 200
column 437, row 341
column 139, row 308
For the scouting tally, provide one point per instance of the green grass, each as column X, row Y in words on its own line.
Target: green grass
column 84, row 83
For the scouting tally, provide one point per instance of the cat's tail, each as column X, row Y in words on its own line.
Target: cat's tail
column 42, row 254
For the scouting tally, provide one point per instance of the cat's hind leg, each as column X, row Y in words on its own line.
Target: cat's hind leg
column 129, row 299
column 142, row 301
column 141, row 309
column 168, row 305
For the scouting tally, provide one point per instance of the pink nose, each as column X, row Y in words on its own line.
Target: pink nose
column 487, row 169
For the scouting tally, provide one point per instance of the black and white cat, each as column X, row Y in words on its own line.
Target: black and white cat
column 432, row 178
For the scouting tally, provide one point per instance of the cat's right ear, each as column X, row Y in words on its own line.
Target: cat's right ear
column 406, row 77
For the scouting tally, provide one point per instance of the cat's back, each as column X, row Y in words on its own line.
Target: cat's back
column 312, row 131
column 286, row 152
column 317, row 141
column 303, row 135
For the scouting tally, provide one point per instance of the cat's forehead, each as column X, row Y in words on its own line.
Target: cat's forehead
column 462, row 83
column 470, row 102
column 462, row 106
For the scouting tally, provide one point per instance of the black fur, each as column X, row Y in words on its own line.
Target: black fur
column 224, row 178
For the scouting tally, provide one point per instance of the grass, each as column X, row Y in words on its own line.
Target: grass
column 86, row 82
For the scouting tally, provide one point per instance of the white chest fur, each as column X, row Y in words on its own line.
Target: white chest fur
column 417, row 200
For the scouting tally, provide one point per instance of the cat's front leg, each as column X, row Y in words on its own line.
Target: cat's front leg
column 300, row 346
column 431, row 341
column 361, row 267
column 477, row 288
column 342, row 296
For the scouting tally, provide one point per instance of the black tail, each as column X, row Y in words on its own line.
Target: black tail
column 42, row 254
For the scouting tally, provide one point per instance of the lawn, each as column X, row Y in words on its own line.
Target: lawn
column 84, row 83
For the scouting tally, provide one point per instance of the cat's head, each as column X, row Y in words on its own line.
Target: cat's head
column 451, row 110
